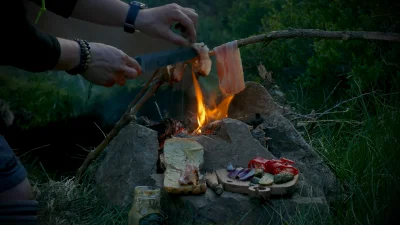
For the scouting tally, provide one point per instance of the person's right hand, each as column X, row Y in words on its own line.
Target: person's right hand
column 157, row 22
column 110, row 66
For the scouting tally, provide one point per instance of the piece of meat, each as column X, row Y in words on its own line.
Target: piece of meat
column 178, row 72
column 202, row 66
column 229, row 68
column 189, row 175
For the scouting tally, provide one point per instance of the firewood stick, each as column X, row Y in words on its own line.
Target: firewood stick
column 127, row 117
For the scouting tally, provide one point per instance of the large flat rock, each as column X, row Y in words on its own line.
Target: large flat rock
column 255, row 98
column 232, row 143
column 130, row 160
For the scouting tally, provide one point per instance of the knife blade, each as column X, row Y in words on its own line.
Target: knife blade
column 153, row 61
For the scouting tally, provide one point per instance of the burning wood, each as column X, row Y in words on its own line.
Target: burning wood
column 211, row 128
column 166, row 129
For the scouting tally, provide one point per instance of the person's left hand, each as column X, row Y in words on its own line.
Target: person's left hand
column 157, row 22
column 110, row 66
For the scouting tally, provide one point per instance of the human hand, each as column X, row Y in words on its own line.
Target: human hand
column 110, row 66
column 157, row 22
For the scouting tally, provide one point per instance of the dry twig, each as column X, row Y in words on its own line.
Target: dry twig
column 34, row 150
column 100, row 129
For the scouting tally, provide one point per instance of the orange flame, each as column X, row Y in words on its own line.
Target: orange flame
column 204, row 114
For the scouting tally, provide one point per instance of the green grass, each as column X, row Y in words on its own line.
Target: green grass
column 65, row 202
column 37, row 100
column 362, row 147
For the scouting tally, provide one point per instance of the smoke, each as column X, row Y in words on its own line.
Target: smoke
column 177, row 101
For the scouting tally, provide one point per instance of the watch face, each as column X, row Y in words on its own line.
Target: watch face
column 141, row 5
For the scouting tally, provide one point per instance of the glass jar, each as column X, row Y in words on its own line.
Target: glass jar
column 146, row 208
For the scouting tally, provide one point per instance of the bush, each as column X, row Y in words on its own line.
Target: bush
column 37, row 102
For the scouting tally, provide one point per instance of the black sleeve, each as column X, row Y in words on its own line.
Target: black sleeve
column 22, row 45
column 37, row 51
column 62, row 8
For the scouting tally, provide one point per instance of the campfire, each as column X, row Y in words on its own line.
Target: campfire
column 206, row 114
column 241, row 162
column 180, row 155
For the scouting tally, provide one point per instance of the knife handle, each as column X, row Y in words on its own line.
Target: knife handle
column 139, row 60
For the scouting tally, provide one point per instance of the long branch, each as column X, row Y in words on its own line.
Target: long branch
column 315, row 33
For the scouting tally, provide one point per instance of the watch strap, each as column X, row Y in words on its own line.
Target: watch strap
column 134, row 9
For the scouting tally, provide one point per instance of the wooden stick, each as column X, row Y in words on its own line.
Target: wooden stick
column 315, row 33
column 139, row 95
column 128, row 116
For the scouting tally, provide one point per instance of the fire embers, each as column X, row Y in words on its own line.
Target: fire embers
column 167, row 129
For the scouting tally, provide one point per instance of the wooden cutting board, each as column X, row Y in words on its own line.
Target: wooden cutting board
column 244, row 187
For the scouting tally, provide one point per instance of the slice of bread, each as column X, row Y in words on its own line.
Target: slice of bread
column 178, row 153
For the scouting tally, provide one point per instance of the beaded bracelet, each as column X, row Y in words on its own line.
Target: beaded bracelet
column 84, row 58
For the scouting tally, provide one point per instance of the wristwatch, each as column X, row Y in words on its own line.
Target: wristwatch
column 134, row 8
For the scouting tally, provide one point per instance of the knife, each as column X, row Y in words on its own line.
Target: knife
column 153, row 61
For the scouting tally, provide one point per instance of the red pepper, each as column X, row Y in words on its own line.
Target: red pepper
column 257, row 163
column 274, row 166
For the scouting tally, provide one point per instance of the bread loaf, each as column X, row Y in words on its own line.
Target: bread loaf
column 178, row 154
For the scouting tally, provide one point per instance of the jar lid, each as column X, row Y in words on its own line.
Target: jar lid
column 147, row 191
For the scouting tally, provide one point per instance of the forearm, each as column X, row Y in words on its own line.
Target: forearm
column 69, row 54
column 105, row 12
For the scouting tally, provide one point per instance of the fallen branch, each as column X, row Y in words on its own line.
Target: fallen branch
column 332, row 121
column 126, row 118
column 341, row 103
column 312, row 116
